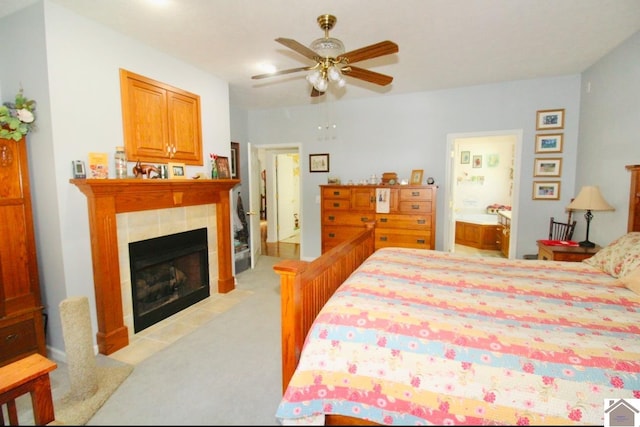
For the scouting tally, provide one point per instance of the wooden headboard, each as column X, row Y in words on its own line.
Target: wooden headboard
column 634, row 199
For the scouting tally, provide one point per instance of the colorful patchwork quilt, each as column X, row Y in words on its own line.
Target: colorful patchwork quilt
column 426, row 337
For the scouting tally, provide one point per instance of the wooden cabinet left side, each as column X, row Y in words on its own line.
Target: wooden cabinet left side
column 21, row 323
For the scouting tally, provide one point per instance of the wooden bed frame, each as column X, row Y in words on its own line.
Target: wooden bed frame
column 304, row 289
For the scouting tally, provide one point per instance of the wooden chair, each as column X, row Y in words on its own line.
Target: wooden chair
column 561, row 230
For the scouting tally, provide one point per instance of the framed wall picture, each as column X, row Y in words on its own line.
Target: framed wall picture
column 546, row 190
column 416, row 177
column 235, row 160
column 222, row 163
column 550, row 119
column 319, row 162
column 549, row 143
column 477, row 161
column 465, row 157
column 177, row 171
column 547, row 167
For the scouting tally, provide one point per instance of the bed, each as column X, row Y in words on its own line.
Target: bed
column 409, row 336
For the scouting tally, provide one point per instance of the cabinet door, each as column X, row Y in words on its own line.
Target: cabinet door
column 145, row 121
column 184, row 127
column 363, row 198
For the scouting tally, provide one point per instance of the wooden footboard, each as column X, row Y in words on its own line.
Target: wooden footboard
column 306, row 286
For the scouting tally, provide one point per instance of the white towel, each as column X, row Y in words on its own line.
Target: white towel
column 382, row 200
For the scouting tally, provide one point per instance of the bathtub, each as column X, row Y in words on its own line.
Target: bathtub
column 478, row 230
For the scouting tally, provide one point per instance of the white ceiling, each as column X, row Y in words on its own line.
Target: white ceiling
column 443, row 43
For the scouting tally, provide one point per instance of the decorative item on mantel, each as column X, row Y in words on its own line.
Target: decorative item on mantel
column 214, row 167
column 17, row 118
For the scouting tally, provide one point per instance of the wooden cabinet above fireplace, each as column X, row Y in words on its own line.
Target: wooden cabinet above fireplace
column 108, row 197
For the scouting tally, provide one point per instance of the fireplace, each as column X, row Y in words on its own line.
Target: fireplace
column 168, row 274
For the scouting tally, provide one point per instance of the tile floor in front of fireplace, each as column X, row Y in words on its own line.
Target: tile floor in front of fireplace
column 162, row 334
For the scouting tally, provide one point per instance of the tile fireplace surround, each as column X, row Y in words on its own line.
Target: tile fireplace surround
column 108, row 197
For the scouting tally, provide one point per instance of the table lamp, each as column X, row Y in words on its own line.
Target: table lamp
column 589, row 199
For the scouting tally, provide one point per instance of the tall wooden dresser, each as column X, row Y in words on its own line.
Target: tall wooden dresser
column 634, row 198
column 410, row 221
column 21, row 323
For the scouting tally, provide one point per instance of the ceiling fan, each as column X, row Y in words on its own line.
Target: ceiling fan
column 331, row 61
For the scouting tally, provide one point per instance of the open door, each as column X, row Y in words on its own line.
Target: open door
column 255, row 243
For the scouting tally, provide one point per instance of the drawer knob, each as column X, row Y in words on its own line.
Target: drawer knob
column 332, row 218
column 421, row 241
column 336, row 193
column 383, row 219
column 415, row 206
column 421, row 221
column 11, row 338
column 364, row 219
column 383, row 238
column 332, row 235
column 336, row 205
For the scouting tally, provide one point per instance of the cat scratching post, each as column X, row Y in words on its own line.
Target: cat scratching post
column 78, row 342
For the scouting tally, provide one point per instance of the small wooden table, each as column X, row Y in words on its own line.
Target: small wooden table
column 565, row 253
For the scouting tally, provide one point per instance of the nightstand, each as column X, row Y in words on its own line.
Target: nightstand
column 565, row 253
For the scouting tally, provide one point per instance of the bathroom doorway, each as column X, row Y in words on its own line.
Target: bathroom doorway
column 482, row 178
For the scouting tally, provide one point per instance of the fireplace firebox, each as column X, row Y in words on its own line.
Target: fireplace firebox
column 168, row 274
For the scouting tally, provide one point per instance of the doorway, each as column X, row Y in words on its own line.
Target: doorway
column 483, row 174
column 275, row 172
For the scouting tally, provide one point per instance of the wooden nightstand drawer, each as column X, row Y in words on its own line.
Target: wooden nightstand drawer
column 565, row 253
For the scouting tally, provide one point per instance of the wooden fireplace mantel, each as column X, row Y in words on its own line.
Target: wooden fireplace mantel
column 108, row 197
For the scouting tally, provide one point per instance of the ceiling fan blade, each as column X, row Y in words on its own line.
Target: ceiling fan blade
column 367, row 75
column 315, row 92
column 279, row 73
column 372, row 51
column 298, row 47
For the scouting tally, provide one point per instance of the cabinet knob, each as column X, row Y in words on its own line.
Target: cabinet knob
column 421, row 221
column 383, row 238
column 332, row 218
column 10, row 338
column 383, row 219
column 332, row 235
column 364, row 219
column 421, row 241
column 415, row 206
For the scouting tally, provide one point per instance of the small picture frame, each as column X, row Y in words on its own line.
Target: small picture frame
column 547, row 167
column 222, row 163
column 319, row 162
column 550, row 119
column 235, row 159
column 416, row 177
column 465, row 157
column 177, row 171
column 477, row 161
column 546, row 190
column 549, row 143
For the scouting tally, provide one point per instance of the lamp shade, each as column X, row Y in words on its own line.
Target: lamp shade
column 590, row 199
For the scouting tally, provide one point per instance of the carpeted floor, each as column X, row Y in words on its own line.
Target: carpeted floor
column 226, row 372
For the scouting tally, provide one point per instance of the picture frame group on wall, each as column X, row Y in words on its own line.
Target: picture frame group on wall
column 550, row 119
column 546, row 190
column 465, row 157
column 549, row 143
column 551, row 167
column 477, row 161
column 235, row 160
column 319, row 162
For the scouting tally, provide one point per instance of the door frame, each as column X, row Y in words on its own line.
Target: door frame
column 450, row 181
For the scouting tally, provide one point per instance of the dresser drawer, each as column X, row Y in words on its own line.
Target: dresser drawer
column 17, row 339
column 343, row 218
column 403, row 238
column 336, row 193
column 412, row 222
column 334, row 235
column 415, row 207
column 416, row 194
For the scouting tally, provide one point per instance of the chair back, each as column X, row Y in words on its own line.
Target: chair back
column 561, row 230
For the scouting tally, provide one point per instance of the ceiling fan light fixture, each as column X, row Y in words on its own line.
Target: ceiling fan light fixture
column 313, row 77
column 342, row 82
column 321, row 85
column 334, row 73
